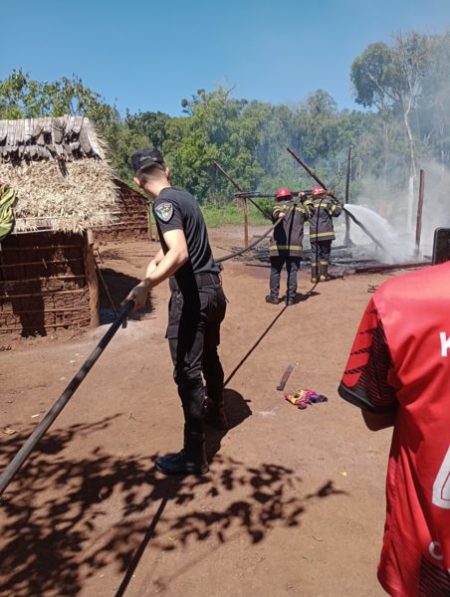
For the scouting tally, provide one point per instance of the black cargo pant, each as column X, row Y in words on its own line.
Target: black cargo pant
column 292, row 267
column 195, row 315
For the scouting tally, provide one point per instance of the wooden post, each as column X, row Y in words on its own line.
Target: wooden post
column 347, row 241
column 245, row 208
column 419, row 210
column 91, row 277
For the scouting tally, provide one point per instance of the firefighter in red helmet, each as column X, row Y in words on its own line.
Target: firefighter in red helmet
column 321, row 209
column 286, row 244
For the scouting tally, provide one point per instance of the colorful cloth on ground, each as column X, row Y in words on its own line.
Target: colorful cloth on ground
column 7, row 198
column 301, row 398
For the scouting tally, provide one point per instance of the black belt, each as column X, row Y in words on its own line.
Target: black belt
column 202, row 280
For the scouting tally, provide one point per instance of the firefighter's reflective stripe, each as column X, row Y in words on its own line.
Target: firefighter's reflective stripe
column 329, row 235
column 293, row 247
column 287, row 237
column 322, row 210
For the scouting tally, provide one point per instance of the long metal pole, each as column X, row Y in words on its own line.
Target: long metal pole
column 24, row 452
column 310, row 172
column 234, row 183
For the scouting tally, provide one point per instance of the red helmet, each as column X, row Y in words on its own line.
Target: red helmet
column 282, row 192
column 318, row 191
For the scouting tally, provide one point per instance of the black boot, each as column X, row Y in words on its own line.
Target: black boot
column 314, row 274
column 273, row 300
column 192, row 458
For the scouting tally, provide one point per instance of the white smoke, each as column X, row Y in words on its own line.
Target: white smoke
column 386, row 213
column 390, row 247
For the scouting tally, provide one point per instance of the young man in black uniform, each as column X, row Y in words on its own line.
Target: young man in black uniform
column 196, row 309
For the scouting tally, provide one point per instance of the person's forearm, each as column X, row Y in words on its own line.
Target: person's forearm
column 156, row 259
column 159, row 271
column 154, row 262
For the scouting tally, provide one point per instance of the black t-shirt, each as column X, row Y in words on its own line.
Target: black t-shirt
column 175, row 209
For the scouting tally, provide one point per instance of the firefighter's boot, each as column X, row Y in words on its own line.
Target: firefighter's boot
column 323, row 272
column 314, row 274
column 192, row 458
column 272, row 299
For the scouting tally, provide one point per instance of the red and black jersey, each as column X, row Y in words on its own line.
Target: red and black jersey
column 400, row 360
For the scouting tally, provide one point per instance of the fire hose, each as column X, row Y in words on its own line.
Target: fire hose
column 25, row 451
column 262, row 237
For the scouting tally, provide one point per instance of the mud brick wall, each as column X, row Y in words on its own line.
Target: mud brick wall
column 43, row 283
column 132, row 220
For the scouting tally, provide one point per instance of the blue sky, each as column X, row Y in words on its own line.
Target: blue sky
column 148, row 55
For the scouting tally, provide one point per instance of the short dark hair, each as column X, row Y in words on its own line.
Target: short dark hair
column 150, row 172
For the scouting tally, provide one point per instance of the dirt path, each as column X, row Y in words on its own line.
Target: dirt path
column 293, row 503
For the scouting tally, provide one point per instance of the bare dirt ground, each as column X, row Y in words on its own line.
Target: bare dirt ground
column 293, row 503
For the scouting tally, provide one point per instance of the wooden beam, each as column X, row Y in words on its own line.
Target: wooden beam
column 245, row 208
column 55, row 293
column 41, row 248
column 419, row 211
column 42, row 279
column 90, row 267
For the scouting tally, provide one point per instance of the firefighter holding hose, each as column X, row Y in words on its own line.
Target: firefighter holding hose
column 322, row 209
column 287, row 244
column 196, row 308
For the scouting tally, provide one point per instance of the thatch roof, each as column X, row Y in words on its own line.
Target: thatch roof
column 58, row 168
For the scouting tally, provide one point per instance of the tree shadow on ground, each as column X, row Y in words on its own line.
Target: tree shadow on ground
column 237, row 410
column 68, row 516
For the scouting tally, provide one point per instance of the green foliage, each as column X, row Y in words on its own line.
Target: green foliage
column 232, row 214
column 404, row 86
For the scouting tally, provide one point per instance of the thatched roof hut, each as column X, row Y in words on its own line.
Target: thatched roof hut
column 57, row 167
column 64, row 188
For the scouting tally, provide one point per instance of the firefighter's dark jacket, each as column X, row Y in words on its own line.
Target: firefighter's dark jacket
column 287, row 238
column 321, row 211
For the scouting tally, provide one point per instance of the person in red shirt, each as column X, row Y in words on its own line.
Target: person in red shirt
column 398, row 373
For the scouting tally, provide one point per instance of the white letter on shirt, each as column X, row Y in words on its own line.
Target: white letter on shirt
column 445, row 344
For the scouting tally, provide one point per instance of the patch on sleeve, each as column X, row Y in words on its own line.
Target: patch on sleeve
column 164, row 211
